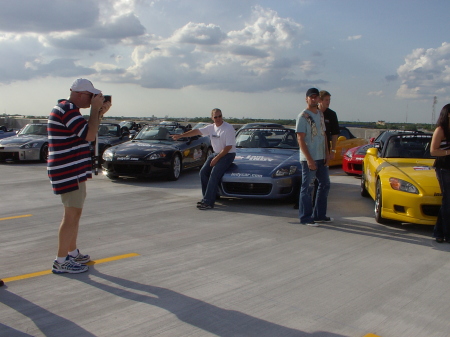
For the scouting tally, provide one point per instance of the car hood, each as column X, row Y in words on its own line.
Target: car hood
column 22, row 139
column 109, row 140
column 142, row 148
column 420, row 171
column 262, row 161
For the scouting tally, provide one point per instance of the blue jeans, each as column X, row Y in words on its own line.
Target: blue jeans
column 306, row 211
column 210, row 176
column 442, row 227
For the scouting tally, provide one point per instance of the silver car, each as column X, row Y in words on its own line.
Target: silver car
column 31, row 143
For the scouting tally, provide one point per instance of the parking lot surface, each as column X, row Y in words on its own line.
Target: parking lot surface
column 245, row 268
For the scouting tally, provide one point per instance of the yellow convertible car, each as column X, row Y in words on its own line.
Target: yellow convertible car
column 399, row 176
column 346, row 140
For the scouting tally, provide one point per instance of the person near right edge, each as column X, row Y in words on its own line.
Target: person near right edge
column 440, row 148
column 314, row 155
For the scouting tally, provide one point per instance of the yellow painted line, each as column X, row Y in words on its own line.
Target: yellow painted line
column 16, row 217
column 371, row 335
column 46, row 272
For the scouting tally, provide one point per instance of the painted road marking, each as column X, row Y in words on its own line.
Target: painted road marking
column 371, row 335
column 16, row 217
column 46, row 272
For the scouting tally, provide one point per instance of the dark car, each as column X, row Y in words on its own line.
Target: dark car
column 133, row 127
column 5, row 132
column 110, row 134
column 154, row 152
column 266, row 165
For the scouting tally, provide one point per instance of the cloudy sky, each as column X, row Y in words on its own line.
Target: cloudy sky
column 379, row 59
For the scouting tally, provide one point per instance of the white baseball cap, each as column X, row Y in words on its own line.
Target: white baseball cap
column 82, row 84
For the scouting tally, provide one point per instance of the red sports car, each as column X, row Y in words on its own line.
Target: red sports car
column 353, row 159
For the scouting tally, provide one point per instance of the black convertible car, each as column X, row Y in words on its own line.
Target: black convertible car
column 153, row 152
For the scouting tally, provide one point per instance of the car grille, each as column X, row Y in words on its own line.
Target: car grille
column 431, row 210
column 9, row 155
column 247, row 188
column 356, row 167
column 129, row 169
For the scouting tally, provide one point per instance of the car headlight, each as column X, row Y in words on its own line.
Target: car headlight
column 349, row 154
column 108, row 155
column 286, row 171
column 402, row 185
column 156, row 155
column 29, row 145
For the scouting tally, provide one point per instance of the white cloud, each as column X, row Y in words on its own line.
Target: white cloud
column 199, row 33
column 263, row 54
column 375, row 93
column 354, row 37
column 425, row 73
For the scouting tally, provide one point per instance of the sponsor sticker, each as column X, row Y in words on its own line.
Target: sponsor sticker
column 421, row 168
column 258, row 158
column 253, row 175
column 126, row 158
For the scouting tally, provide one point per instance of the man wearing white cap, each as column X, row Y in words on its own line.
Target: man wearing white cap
column 69, row 165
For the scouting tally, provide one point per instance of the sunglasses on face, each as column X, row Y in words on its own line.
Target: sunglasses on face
column 219, row 116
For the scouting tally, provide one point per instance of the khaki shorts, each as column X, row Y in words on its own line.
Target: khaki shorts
column 75, row 198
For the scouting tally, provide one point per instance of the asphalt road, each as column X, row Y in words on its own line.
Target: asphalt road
column 246, row 268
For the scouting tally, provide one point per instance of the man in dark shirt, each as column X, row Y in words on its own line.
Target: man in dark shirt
column 331, row 121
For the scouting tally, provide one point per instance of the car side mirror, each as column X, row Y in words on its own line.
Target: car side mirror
column 373, row 151
column 341, row 138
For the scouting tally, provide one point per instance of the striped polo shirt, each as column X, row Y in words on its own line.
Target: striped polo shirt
column 69, row 157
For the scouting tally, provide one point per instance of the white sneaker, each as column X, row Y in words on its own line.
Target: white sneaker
column 69, row 266
column 80, row 258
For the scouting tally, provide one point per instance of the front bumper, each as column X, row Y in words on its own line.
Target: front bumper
column 353, row 166
column 138, row 169
column 17, row 154
column 259, row 187
column 412, row 208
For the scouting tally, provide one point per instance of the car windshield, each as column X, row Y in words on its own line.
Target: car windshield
column 346, row 133
column 266, row 138
column 129, row 125
column 157, row 133
column 109, row 130
column 408, row 146
column 34, row 129
column 200, row 125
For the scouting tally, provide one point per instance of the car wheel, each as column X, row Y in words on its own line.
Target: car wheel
column 175, row 168
column 363, row 189
column 112, row 176
column 44, row 153
column 379, row 205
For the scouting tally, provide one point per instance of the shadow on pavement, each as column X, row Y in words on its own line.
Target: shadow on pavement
column 205, row 316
